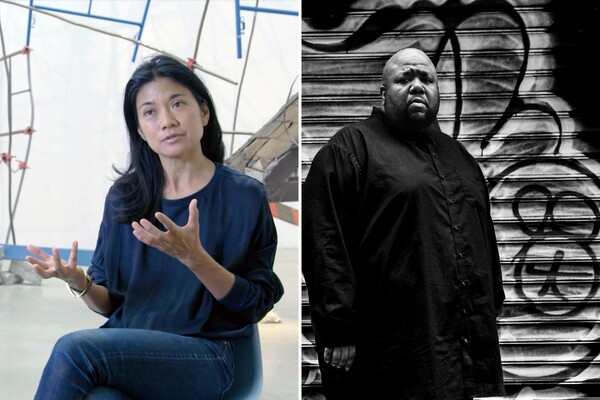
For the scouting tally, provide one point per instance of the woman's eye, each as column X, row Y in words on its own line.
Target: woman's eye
column 148, row 113
column 177, row 104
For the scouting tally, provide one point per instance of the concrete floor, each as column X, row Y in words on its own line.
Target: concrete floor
column 32, row 318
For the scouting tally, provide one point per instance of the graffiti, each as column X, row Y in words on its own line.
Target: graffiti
column 548, row 226
column 452, row 14
column 545, row 275
column 554, row 269
column 514, row 106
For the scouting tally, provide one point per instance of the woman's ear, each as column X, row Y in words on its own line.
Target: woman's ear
column 205, row 113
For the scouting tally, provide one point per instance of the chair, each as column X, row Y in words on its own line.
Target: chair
column 248, row 370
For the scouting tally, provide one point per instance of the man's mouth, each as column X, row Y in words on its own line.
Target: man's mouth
column 418, row 100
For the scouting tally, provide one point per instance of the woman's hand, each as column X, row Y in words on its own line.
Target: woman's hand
column 51, row 266
column 180, row 242
column 183, row 243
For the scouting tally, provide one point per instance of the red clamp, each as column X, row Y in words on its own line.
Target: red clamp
column 28, row 131
column 26, row 50
column 22, row 164
column 190, row 62
column 5, row 157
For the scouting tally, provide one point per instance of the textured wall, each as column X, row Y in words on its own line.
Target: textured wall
column 519, row 90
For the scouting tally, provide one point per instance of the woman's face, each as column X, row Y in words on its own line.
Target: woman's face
column 170, row 119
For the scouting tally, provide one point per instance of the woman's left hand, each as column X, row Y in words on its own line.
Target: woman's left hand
column 183, row 243
column 180, row 242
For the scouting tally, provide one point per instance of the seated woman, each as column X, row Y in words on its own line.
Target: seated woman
column 183, row 261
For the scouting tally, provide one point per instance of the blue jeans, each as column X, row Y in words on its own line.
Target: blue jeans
column 141, row 364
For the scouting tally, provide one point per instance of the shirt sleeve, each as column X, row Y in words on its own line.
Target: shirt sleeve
column 498, row 287
column 96, row 269
column 492, row 243
column 255, row 293
column 328, row 195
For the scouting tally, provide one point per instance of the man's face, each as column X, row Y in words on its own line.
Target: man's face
column 410, row 93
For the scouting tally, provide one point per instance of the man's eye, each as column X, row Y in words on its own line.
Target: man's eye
column 426, row 78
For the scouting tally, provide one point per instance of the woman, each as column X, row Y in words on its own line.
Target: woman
column 184, row 258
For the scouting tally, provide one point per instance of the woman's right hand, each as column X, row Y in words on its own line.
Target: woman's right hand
column 51, row 266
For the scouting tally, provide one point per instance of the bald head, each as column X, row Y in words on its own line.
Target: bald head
column 409, row 90
column 409, row 55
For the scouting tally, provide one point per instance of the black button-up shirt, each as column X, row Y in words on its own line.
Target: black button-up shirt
column 400, row 258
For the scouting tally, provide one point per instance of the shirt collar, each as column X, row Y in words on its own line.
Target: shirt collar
column 422, row 138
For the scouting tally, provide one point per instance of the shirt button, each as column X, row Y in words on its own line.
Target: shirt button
column 451, row 201
column 455, row 227
column 465, row 341
column 464, row 311
column 463, row 283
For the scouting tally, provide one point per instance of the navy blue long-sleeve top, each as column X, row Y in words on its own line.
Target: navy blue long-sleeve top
column 152, row 290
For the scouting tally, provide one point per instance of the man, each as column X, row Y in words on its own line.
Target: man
column 399, row 253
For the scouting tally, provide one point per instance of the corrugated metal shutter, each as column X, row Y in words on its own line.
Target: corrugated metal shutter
column 499, row 66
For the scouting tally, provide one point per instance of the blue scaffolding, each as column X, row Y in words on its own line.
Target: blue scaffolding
column 89, row 14
column 238, row 20
column 140, row 24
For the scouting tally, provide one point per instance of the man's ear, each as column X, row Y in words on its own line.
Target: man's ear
column 382, row 91
column 205, row 113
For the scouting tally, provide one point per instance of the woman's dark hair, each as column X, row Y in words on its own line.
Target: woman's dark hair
column 138, row 189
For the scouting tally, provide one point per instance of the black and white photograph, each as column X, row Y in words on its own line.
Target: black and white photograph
column 459, row 266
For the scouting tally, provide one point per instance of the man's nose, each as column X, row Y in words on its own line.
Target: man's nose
column 416, row 86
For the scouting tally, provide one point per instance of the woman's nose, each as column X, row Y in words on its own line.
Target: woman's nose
column 168, row 119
